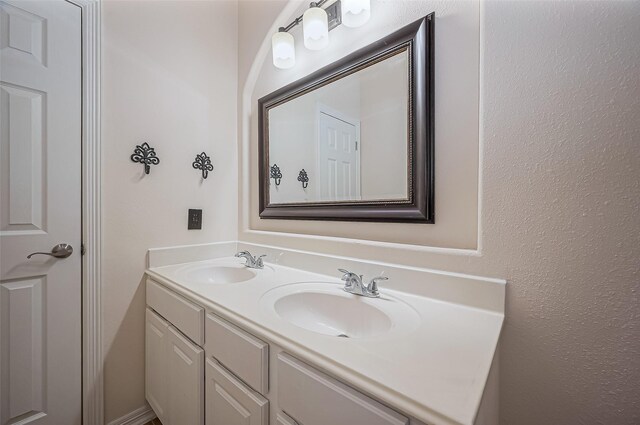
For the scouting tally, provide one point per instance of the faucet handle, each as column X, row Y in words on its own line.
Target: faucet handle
column 259, row 261
column 373, row 285
column 346, row 274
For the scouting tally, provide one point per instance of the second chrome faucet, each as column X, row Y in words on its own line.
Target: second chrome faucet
column 354, row 285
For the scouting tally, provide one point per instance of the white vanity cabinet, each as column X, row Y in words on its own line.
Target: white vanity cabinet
column 238, row 378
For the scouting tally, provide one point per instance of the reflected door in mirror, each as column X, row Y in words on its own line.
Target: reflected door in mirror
column 338, row 158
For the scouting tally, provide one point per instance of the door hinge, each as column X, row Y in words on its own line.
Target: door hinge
column 82, row 250
column 356, row 145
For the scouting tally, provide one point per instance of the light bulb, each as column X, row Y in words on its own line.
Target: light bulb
column 315, row 26
column 355, row 12
column 284, row 52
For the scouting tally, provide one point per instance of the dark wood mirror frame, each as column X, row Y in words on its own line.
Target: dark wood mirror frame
column 417, row 39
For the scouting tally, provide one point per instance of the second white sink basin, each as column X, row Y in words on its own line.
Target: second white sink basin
column 210, row 273
column 324, row 308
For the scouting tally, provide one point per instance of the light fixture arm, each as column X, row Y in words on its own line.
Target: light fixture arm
column 298, row 20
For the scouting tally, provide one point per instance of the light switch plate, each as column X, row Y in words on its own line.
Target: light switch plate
column 195, row 219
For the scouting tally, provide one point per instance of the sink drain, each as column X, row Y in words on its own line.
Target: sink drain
column 343, row 336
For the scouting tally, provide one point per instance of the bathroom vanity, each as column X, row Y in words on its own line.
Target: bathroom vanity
column 227, row 344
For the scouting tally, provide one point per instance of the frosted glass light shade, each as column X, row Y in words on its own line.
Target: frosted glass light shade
column 355, row 12
column 284, row 52
column 315, row 27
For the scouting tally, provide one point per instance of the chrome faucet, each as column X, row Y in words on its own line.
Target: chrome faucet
column 252, row 262
column 353, row 284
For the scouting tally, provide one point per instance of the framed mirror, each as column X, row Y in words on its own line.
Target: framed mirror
column 354, row 141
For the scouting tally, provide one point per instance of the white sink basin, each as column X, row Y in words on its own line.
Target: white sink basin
column 324, row 308
column 213, row 273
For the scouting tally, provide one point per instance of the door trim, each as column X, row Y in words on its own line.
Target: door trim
column 92, row 356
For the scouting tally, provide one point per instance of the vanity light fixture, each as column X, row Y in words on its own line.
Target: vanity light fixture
column 355, row 13
column 315, row 28
column 284, row 52
column 316, row 24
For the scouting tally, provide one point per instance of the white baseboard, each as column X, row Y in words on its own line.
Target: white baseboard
column 138, row 417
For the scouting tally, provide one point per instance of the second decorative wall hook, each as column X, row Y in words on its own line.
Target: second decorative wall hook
column 303, row 178
column 203, row 162
column 276, row 174
column 146, row 155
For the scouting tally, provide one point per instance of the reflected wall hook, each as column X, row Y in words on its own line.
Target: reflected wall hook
column 304, row 178
column 203, row 162
column 146, row 155
column 276, row 174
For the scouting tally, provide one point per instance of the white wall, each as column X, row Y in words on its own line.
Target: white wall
column 559, row 187
column 169, row 78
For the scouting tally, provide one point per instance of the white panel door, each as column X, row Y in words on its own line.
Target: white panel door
column 185, row 365
column 338, row 159
column 40, row 186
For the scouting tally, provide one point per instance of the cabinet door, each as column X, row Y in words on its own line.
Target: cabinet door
column 230, row 402
column 185, row 366
column 156, row 335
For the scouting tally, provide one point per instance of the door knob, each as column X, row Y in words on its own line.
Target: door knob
column 62, row 250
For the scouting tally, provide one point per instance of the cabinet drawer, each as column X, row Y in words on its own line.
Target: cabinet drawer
column 284, row 419
column 313, row 398
column 229, row 401
column 183, row 314
column 243, row 354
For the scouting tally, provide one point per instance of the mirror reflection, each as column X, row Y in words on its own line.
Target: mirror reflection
column 345, row 141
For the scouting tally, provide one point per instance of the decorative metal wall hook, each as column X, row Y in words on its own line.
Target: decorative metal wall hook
column 276, row 174
column 146, row 155
column 304, row 178
column 203, row 162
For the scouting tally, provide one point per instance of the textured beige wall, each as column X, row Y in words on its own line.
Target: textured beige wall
column 169, row 77
column 559, row 192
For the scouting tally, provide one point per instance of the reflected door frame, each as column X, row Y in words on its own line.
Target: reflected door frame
column 327, row 110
